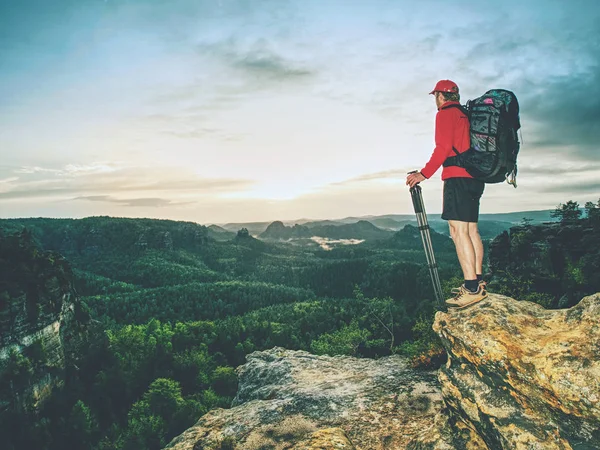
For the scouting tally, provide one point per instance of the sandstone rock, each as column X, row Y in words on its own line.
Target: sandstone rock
column 519, row 377
column 292, row 397
column 326, row 439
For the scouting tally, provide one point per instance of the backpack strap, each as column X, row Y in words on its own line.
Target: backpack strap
column 455, row 160
column 459, row 106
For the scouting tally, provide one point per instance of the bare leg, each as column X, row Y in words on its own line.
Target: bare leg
column 465, row 249
column 477, row 245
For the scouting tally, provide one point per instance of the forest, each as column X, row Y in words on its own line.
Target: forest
column 164, row 313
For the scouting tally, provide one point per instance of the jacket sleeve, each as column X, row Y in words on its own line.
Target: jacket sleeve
column 443, row 143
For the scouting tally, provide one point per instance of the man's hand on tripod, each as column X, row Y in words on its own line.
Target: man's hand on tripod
column 414, row 178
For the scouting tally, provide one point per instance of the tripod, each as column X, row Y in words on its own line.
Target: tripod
column 417, row 199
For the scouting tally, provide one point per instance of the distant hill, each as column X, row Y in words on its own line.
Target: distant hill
column 409, row 238
column 360, row 230
column 516, row 217
column 254, row 228
column 317, row 223
column 493, row 222
column 277, row 230
column 220, row 234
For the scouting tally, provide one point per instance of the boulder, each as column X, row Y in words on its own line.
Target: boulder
column 518, row 377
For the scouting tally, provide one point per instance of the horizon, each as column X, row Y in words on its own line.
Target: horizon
column 269, row 221
column 226, row 111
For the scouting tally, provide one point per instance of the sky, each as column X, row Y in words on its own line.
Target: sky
column 218, row 111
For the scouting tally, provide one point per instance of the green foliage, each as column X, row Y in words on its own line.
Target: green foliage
column 567, row 212
column 82, row 426
column 344, row 341
column 28, row 273
column 36, row 352
column 144, row 431
column 193, row 368
column 451, row 283
column 15, row 372
column 163, row 398
column 224, row 381
column 552, row 266
column 88, row 284
column 425, row 350
column 526, row 221
column 593, row 211
column 164, row 374
column 193, row 301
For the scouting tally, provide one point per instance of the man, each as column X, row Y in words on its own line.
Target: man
column 461, row 192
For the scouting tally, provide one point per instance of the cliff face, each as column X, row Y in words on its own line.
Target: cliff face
column 293, row 399
column 38, row 324
column 49, row 334
column 519, row 377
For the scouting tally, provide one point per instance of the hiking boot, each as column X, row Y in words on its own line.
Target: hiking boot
column 463, row 297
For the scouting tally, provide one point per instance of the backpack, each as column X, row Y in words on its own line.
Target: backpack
column 494, row 121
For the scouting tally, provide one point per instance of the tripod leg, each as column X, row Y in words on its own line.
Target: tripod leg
column 419, row 207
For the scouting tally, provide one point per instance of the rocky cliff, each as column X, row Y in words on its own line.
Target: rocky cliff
column 518, row 377
column 40, row 319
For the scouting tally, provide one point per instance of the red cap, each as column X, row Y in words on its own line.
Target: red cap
column 445, row 86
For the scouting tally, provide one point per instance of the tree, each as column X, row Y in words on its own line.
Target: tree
column 344, row 341
column 381, row 310
column 163, row 397
column 82, row 425
column 526, row 221
column 149, row 418
column 568, row 212
column 225, row 381
column 593, row 211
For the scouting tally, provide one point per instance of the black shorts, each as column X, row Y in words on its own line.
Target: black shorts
column 461, row 199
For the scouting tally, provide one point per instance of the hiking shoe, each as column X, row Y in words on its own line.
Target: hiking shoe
column 463, row 297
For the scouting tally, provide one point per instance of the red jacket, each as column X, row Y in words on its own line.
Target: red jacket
column 451, row 129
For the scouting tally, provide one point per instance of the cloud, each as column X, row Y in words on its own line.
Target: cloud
column 383, row 175
column 135, row 202
column 34, row 169
column 575, row 188
column 233, row 71
column 566, row 113
column 203, row 133
column 77, row 180
column 243, row 67
column 562, row 168
column 69, row 169
column 256, row 59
